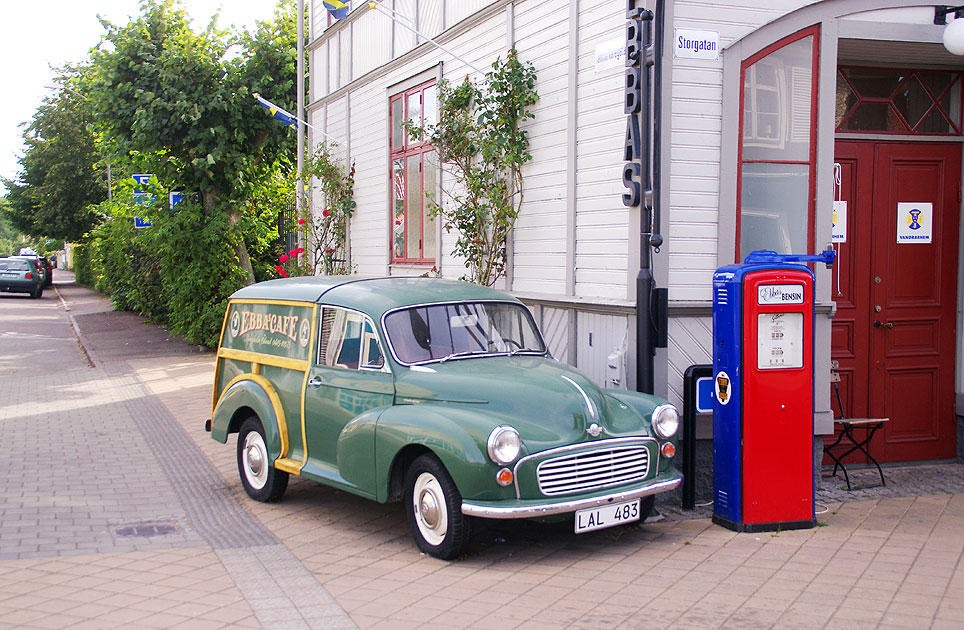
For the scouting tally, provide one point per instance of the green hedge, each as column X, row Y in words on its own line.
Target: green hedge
column 178, row 273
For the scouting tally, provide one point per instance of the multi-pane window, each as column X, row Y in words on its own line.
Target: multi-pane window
column 414, row 174
column 778, row 147
column 884, row 100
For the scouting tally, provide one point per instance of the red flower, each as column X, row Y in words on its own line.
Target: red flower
column 326, row 212
column 298, row 251
column 329, row 251
column 281, row 271
column 301, row 221
column 283, row 258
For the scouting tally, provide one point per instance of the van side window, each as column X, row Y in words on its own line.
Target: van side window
column 348, row 341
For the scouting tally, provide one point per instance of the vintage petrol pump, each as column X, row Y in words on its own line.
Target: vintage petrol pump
column 763, row 375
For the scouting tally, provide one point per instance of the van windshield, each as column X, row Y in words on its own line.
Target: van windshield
column 441, row 332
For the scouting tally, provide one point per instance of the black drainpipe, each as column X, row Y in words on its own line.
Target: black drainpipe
column 641, row 55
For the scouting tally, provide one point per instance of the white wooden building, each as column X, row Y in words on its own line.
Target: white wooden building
column 751, row 137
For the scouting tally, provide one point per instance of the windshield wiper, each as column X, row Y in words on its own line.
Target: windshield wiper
column 464, row 353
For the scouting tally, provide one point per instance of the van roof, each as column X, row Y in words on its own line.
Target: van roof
column 374, row 295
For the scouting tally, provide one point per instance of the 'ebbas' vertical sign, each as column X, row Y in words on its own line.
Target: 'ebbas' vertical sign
column 633, row 95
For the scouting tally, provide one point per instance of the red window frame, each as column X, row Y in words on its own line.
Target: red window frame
column 811, row 31
column 408, row 150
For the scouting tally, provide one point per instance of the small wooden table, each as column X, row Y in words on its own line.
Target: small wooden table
column 848, row 425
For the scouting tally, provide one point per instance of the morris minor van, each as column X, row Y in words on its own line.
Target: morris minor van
column 440, row 394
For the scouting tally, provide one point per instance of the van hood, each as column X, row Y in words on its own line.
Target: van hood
column 549, row 403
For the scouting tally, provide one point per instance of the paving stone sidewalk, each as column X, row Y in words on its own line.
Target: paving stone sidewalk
column 129, row 442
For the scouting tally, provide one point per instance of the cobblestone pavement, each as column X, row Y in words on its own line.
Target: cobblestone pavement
column 118, row 510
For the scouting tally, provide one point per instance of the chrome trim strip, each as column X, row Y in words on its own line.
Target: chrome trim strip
column 547, row 509
column 585, row 396
column 578, row 447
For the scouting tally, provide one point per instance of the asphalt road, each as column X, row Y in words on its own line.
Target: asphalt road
column 36, row 335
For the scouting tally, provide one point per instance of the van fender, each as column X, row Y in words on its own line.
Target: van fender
column 254, row 392
column 455, row 435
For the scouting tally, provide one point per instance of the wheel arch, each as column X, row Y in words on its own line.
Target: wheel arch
column 251, row 395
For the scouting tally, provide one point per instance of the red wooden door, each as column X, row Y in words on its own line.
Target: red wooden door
column 894, row 333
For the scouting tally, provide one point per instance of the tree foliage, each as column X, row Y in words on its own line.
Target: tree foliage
column 480, row 141
column 184, row 100
column 60, row 177
column 177, row 104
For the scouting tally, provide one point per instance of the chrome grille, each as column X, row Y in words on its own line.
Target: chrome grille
column 588, row 470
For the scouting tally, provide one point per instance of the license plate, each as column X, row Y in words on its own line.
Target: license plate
column 607, row 516
column 9, row 275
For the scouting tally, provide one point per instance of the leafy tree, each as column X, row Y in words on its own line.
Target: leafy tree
column 480, row 142
column 183, row 101
column 60, row 178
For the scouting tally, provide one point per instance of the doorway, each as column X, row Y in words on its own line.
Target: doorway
column 895, row 285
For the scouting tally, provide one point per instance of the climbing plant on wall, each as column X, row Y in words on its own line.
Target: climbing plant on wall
column 325, row 228
column 481, row 142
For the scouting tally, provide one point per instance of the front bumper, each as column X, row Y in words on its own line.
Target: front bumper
column 537, row 508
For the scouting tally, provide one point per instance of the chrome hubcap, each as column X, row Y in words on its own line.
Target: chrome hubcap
column 428, row 509
column 255, row 460
column 431, row 513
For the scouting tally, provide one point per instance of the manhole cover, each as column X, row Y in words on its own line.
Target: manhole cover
column 145, row 530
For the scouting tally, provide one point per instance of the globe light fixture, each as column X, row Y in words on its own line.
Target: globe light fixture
column 953, row 37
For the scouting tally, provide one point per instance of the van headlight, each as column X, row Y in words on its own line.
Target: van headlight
column 665, row 421
column 504, row 445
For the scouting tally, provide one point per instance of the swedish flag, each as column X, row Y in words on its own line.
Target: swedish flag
column 336, row 8
column 286, row 117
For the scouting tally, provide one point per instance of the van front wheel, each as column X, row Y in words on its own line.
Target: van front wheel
column 262, row 481
column 434, row 509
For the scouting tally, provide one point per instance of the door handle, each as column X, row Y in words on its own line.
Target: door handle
column 878, row 324
column 315, row 382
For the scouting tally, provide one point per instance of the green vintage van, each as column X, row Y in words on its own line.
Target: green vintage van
column 440, row 394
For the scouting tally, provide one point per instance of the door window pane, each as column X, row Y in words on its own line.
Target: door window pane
column 775, row 208
column 777, row 99
column 777, row 166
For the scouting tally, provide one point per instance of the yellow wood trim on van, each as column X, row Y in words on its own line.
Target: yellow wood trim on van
column 217, row 365
column 275, row 302
column 288, row 465
column 264, row 359
column 279, row 412
column 312, row 349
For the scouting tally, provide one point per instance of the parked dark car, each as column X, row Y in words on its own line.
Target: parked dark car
column 20, row 274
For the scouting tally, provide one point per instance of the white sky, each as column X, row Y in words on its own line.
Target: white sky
column 38, row 34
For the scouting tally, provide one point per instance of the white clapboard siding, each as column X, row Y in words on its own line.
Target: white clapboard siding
column 369, row 149
column 691, row 341
column 458, row 10
column 539, row 239
column 602, row 221
column 318, row 62
column 370, row 42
